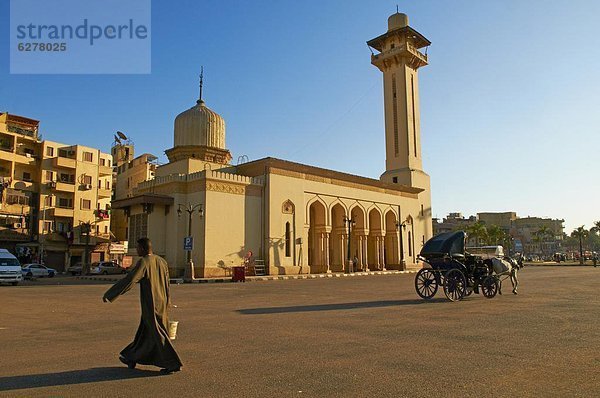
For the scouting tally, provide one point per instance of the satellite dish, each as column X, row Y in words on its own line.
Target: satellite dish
column 121, row 135
column 117, row 140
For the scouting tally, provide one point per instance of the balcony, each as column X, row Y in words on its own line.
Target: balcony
column 11, row 234
column 66, row 163
column 102, row 214
column 105, row 170
column 104, row 193
column 66, row 212
column 16, row 208
column 61, row 186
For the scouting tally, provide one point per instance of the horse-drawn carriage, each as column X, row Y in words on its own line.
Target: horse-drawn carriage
column 457, row 271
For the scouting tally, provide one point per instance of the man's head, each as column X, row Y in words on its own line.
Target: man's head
column 144, row 247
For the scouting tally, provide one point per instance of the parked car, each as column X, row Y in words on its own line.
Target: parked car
column 106, row 267
column 10, row 269
column 37, row 271
column 75, row 269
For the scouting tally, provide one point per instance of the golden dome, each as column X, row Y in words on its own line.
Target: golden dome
column 199, row 126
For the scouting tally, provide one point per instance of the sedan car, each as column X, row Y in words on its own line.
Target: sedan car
column 75, row 269
column 106, row 267
column 37, row 271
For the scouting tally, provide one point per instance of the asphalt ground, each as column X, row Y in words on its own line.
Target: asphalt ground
column 337, row 337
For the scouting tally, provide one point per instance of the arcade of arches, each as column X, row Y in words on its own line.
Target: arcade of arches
column 375, row 237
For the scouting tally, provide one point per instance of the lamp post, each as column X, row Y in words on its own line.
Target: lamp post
column 401, row 226
column 190, row 210
column 351, row 223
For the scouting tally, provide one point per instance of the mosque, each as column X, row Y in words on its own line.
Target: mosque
column 295, row 218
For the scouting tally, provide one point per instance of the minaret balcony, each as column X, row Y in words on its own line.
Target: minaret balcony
column 394, row 55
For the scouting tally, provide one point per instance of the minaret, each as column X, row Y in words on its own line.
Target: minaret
column 399, row 59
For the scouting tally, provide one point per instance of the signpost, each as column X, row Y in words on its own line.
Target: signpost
column 188, row 243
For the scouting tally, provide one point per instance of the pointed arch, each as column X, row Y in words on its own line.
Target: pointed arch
column 309, row 203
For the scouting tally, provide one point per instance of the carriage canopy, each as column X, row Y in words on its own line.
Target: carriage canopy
column 447, row 243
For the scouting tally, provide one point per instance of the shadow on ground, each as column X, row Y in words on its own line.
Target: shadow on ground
column 336, row 307
column 72, row 377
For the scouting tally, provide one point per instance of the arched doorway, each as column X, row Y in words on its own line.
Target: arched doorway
column 339, row 239
column 359, row 239
column 318, row 238
column 375, row 244
column 391, row 249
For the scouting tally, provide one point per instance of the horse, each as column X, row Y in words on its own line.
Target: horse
column 507, row 266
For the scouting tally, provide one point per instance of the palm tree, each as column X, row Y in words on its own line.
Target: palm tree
column 496, row 235
column 541, row 236
column 580, row 233
column 477, row 232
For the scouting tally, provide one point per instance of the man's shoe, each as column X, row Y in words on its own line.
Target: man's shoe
column 515, row 292
column 168, row 371
column 130, row 364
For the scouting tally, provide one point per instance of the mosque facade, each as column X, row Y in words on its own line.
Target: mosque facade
column 294, row 218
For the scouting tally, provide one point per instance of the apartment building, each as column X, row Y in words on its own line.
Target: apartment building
column 129, row 172
column 67, row 189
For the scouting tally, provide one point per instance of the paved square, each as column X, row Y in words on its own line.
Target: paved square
column 358, row 336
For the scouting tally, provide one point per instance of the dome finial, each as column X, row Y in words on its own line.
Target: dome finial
column 200, row 101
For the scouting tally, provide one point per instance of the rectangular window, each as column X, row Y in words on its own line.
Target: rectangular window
column 63, row 153
column 99, row 184
column 26, row 176
column 60, row 227
column 67, row 178
column 106, row 229
column 97, row 230
column 66, row 203
column 48, row 201
column 87, row 180
column 395, row 180
column 49, row 176
column 107, row 184
column 49, row 151
column 47, row 227
column 88, row 157
column 288, row 239
column 102, row 162
column 86, row 204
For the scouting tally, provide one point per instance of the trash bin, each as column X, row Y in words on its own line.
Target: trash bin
column 239, row 274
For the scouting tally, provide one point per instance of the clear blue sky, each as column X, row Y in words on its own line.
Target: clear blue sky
column 509, row 102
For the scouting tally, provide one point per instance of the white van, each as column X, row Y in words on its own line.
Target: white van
column 10, row 269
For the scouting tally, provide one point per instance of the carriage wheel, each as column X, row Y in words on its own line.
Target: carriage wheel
column 489, row 286
column 426, row 284
column 455, row 285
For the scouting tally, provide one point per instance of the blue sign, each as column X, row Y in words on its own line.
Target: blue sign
column 188, row 243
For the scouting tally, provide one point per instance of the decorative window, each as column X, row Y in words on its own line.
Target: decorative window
column 287, row 207
column 409, row 244
column 138, row 228
column 88, row 156
column 288, row 240
column 87, row 179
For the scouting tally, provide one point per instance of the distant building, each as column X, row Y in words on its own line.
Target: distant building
column 52, row 192
column 452, row 222
column 129, row 172
column 527, row 230
column 503, row 220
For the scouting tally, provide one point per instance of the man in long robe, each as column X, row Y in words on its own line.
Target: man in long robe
column 151, row 345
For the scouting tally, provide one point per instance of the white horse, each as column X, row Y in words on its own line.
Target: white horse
column 507, row 266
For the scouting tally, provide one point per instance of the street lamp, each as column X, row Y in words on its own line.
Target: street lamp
column 351, row 224
column 190, row 210
column 402, row 226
